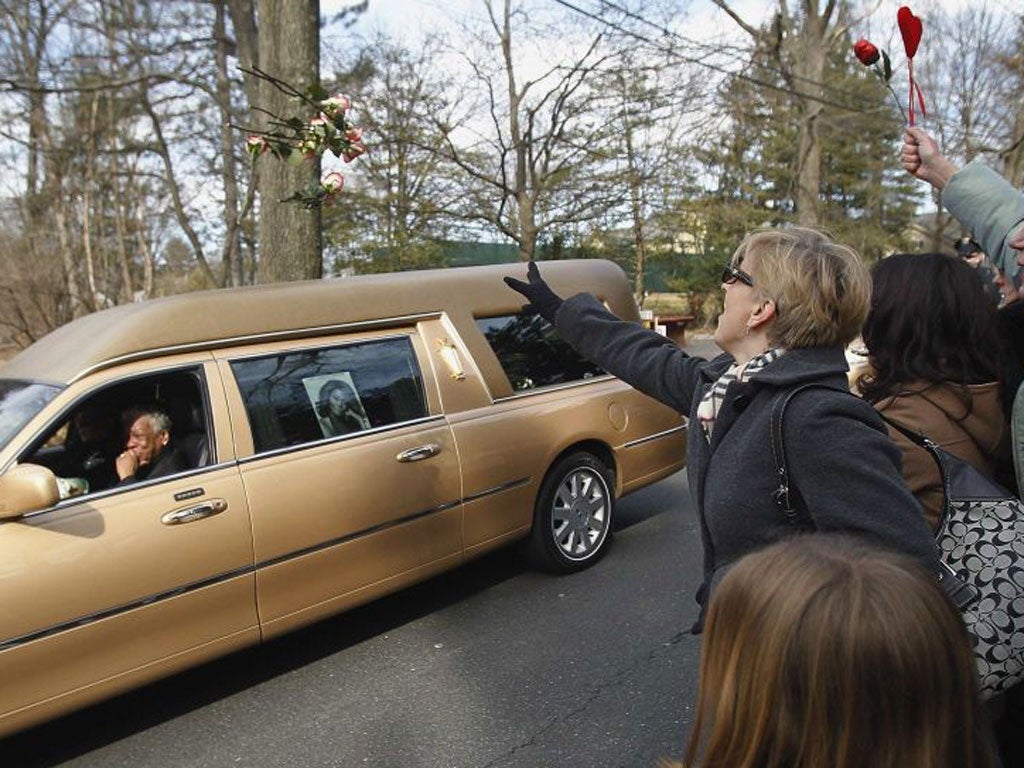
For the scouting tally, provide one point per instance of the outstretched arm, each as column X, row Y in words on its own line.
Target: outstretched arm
column 642, row 358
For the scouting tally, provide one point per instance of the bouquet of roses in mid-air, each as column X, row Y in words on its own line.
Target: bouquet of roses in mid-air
column 296, row 140
column 870, row 55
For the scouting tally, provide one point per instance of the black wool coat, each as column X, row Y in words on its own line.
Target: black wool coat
column 838, row 452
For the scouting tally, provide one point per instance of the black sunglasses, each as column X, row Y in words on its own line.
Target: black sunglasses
column 731, row 274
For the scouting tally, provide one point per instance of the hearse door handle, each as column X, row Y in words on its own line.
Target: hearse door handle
column 420, row 452
column 197, row 512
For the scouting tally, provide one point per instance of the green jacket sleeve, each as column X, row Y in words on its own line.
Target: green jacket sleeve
column 989, row 207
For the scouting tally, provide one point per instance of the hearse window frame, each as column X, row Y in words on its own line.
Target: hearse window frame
column 316, row 347
column 196, row 369
column 601, row 375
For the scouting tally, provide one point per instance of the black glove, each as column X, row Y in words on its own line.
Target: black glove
column 543, row 300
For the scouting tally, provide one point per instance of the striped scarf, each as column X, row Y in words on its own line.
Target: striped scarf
column 712, row 401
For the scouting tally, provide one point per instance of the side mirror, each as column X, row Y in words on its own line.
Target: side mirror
column 26, row 488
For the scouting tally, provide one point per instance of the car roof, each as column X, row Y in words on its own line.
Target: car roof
column 225, row 317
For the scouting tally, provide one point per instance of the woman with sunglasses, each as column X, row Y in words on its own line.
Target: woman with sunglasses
column 794, row 299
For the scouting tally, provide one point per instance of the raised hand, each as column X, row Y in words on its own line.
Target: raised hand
column 543, row 300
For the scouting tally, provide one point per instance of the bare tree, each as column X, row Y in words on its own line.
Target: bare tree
column 397, row 208
column 972, row 111
column 1012, row 153
column 26, row 28
column 537, row 168
column 657, row 99
column 797, row 41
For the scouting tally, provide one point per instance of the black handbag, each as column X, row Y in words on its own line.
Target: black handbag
column 981, row 551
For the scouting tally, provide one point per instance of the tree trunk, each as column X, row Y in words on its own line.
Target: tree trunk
column 230, row 256
column 809, row 78
column 1013, row 157
column 87, row 187
column 525, row 222
column 289, row 235
column 164, row 153
column 806, row 37
column 243, row 20
column 635, row 204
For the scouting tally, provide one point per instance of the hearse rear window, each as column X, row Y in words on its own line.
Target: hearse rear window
column 302, row 397
column 532, row 353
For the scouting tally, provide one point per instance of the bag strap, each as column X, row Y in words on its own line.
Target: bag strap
column 941, row 458
column 783, row 495
column 958, row 590
column 917, row 438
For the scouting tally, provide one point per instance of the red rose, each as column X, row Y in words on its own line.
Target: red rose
column 866, row 52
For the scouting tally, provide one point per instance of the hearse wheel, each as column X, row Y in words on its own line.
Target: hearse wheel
column 572, row 524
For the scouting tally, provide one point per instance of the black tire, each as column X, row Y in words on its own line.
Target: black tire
column 572, row 522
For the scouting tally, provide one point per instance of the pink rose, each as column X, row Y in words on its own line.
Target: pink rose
column 335, row 104
column 333, row 183
column 256, row 145
column 352, row 152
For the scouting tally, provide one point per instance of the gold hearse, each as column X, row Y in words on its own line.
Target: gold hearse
column 339, row 440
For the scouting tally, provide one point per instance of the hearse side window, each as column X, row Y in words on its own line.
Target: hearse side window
column 532, row 353
column 301, row 397
column 82, row 447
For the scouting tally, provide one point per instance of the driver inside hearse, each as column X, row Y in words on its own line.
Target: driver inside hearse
column 138, row 430
column 148, row 451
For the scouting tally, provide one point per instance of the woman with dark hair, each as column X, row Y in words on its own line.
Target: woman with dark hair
column 822, row 651
column 934, row 357
column 339, row 408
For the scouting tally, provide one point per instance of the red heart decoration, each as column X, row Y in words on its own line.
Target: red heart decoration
column 910, row 27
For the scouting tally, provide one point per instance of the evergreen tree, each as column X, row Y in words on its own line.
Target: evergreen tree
column 865, row 199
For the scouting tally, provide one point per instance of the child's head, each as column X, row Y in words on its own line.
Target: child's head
column 822, row 650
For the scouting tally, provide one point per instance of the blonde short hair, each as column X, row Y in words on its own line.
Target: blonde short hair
column 821, row 288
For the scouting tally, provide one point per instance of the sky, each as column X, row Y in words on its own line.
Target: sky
column 700, row 21
column 411, row 17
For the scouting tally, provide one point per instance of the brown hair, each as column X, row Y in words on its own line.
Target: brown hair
column 821, row 288
column 930, row 321
column 821, row 650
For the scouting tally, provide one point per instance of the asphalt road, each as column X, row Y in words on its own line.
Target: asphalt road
column 490, row 665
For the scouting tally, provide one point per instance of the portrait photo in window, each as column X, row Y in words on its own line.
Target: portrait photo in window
column 338, row 407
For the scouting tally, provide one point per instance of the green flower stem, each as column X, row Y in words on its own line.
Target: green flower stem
column 897, row 100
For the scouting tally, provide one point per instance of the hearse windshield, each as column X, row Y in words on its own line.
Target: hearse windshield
column 19, row 402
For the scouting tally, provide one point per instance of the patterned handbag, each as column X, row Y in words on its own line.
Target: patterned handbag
column 981, row 551
column 981, row 538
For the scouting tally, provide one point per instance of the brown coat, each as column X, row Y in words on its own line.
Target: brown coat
column 970, row 425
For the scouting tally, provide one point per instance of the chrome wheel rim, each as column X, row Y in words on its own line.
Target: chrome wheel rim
column 579, row 514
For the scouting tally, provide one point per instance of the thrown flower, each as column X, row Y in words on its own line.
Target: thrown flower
column 333, row 105
column 256, row 146
column 354, row 150
column 333, row 182
column 911, row 28
column 297, row 139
